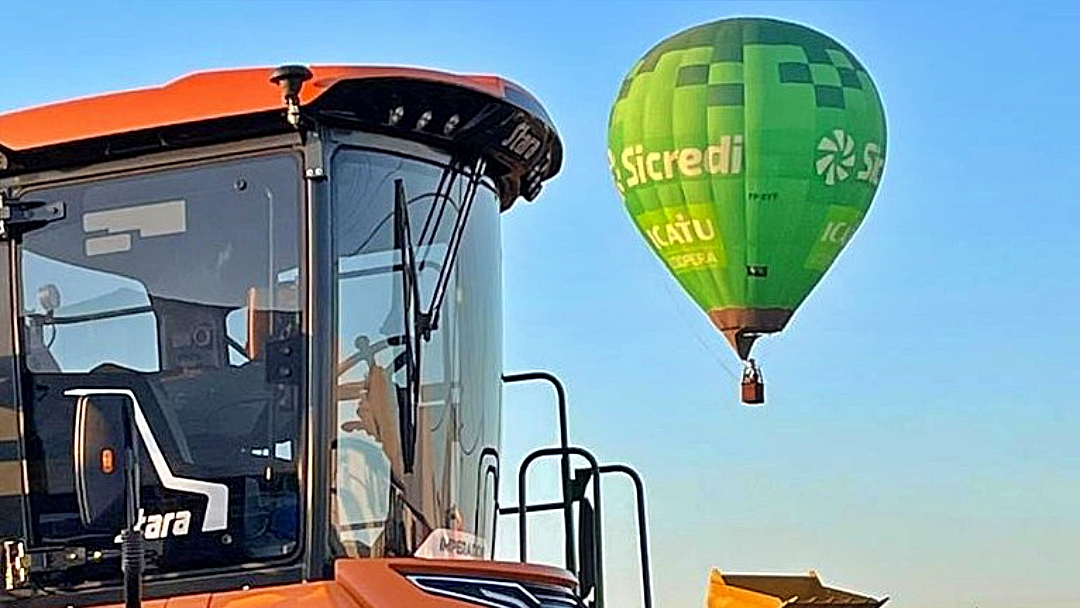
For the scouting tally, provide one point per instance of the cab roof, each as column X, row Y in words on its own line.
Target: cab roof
column 205, row 96
column 225, row 102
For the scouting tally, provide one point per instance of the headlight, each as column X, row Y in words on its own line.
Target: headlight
column 497, row 593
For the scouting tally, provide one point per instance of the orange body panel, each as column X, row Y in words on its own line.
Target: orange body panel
column 201, row 96
column 371, row 583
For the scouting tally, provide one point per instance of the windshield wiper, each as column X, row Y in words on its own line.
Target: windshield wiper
column 420, row 323
column 410, row 287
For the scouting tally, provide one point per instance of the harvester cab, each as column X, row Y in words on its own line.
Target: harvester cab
column 251, row 346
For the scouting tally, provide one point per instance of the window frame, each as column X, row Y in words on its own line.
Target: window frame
column 366, row 143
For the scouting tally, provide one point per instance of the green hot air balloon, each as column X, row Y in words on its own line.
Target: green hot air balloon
column 747, row 152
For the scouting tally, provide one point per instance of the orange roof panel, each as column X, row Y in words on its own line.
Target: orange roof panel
column 196, row 97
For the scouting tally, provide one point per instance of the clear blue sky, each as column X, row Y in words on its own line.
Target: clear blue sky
column 921, row 435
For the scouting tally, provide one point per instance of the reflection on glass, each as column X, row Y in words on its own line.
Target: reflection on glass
column 382, row 508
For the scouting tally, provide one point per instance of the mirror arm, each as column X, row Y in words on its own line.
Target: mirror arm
column 131, row 547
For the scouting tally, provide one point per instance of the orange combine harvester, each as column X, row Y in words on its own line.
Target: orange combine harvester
column 251, row 347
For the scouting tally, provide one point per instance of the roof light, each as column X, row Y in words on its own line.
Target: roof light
column 424, row 119
column 451, row 124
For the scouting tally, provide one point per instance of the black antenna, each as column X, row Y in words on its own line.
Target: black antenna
column 291, row 79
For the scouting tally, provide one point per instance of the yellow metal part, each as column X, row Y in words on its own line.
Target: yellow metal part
column 722, row 595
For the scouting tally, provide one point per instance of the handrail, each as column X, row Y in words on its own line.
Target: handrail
column 482, row 473
column 642, row 522
column 565, row 451
column 564, row 444
column 598, row 538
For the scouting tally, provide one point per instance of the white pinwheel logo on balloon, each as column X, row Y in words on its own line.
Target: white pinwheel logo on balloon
column 838, row 156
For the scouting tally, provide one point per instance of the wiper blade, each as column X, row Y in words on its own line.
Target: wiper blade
column 408, row 413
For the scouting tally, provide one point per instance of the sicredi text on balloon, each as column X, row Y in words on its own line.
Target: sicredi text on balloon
column 643, row 167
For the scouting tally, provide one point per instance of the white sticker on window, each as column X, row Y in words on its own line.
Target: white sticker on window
column 154, row 219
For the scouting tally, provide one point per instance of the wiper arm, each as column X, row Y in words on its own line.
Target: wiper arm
column 431, row 317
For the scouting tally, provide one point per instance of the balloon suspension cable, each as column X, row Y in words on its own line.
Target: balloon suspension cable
column 689, row 325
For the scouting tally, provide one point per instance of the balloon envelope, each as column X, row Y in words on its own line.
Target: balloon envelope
column 747, row 152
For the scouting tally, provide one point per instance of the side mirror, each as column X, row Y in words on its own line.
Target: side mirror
column 104, row 451
column 586, row 547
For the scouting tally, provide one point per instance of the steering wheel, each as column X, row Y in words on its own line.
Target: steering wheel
column 366, row 351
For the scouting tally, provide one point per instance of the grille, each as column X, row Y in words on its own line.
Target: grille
column 497, row 593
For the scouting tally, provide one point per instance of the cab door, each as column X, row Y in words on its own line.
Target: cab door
column 172, row 291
